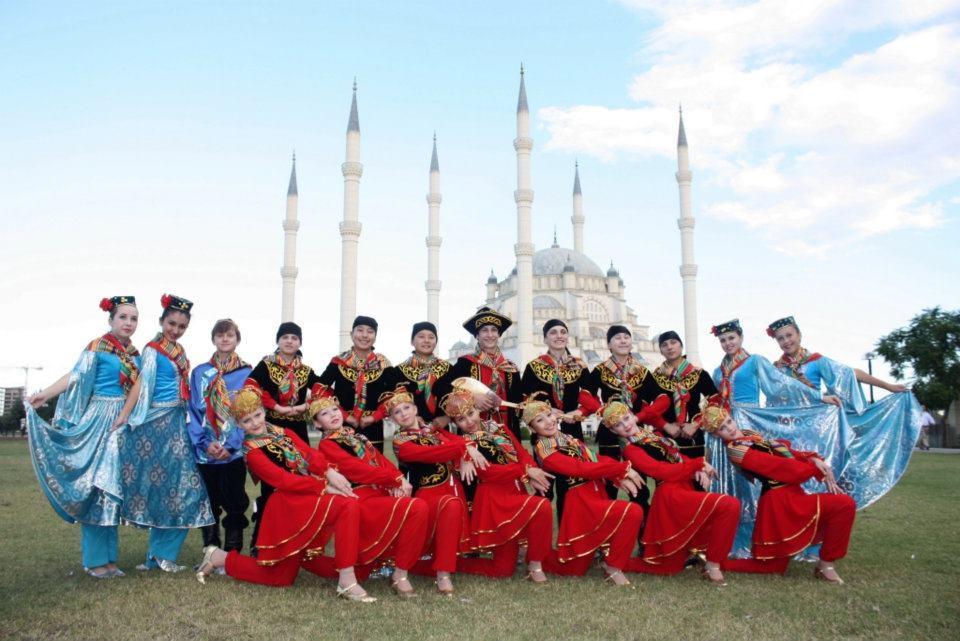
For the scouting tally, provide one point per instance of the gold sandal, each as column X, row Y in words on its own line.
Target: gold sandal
column 610, row 576
column 345, row 593
column 406, row 594
column 202, row 570
column 818, row 573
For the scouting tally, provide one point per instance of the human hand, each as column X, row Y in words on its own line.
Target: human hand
column 631, row 488
column 896, row 388
column 405, row 488
column 38, row 399
column 351, row 420
column 703, row 479
column 467, row 471
column 635, row 477
column 118, row 423
column 672, row 429
column 337, row 483
column 689, row 429
column 440, row 422
column 831, row 400
column 367, row 420
column 708, row 469
column 479, row 460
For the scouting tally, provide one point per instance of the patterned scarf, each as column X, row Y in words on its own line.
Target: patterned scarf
column 565, row 444
column 681, row 395
column 794, row 364
column 175, row 352
column 288, row 390
column 728, row 366
column 372, row 363
column 624, row 373
column 277, row 438
column 128, row 368
column 666, row 445
column 737, row 448
column 421, row 431
column 568, row 362
column 492, row 432
column 216, row 396
column 499, row 367
column 426, row 378
column 359, row 443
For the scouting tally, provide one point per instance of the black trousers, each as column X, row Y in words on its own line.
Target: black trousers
column 226, row 486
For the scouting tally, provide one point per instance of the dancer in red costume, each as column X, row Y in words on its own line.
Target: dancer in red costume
column 788, row 519
column 504, row 513
column 392, row 524
column 590, row 520
column 682, row 519
column 432, row 456
column 311, row 502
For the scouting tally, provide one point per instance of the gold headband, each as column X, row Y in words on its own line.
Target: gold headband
column 398, row 396
column 613, row 411
column 247, row 401
column 457, row 403
column 532, row 408
column 317, row 405
column 712, row 416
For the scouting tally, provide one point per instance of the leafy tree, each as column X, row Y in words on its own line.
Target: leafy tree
column 928, row 352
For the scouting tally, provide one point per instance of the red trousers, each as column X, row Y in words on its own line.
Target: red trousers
column 621, row 547
column 343, row 523
column 448, row 513
column 538, row 533
column 837, row 512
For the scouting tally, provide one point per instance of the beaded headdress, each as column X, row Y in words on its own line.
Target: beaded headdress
column 781, row 322
column 533, row 407
column 110, row 304
column 613, row 411
column 247, row 401
column 729, row 326
column 169, row 301
column 321, row 397
column 457, row 403
column 486, row 316
column 398, row 396
column 712, row 414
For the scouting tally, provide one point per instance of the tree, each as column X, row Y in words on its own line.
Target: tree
column 928, row 352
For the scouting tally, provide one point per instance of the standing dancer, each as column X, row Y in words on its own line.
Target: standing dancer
column 217, row 440
column 489, row 366
column 788, row 519
column 683, row 519
column 162, row 489
column 421, row 371
column 311, row 503
column 283, row 380
column 591, row 521
column 357, row 378
column 504, row 513
column 76, row 457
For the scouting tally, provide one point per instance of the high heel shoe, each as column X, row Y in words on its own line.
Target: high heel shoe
column 818, row 573
column 537, row 580
column 345, row 593
column 610, row 576
column 447, row 592
column 406, row 594
column 205, row 568
column 106, row 574
column 705, row 573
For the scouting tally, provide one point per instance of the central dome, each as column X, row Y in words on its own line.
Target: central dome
column 553, row 259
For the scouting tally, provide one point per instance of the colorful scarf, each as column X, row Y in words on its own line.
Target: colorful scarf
column 738, row 448
column 681, row 395
column 357, row 442
column 794, row 365
column 415, row 434
column 666, row 445
column 499, row 367
column 426, row 378
column 363, row 366
column 489, row 430
column 277, row 438
column 178, row 356
column 624, row 373
column 567, row 362
column 129, row 373
column 288, row 390
column 216, row 396
column 728, row 366
column 565, row 444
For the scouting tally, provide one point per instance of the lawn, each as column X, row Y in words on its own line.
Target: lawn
column 902, row 583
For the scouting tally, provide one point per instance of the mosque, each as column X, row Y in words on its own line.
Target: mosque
column 554, row 282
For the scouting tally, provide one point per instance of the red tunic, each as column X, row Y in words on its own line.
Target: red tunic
column 590, row 519
column 382, row 517
column 299, row 507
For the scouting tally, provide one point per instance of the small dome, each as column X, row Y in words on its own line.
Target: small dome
column 612, row 271
column 492, row 279
column 546, row 302
column 460, row 345
column 554, row 260
column 568, row 267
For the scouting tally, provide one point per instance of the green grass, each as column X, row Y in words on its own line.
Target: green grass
column 902, row 583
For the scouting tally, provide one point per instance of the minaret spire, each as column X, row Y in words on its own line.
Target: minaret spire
column 523, row 196
column 434, row 239
column 577, row 219
column 288, row 273
column 350, row 227
column 688, row 268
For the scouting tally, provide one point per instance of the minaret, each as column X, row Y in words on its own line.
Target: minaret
column 688, row 269
column 434, row 240
column 523, row 196
column 350, row 226
column 288, row 273
column 577, row 218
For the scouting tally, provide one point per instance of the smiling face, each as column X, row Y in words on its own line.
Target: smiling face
column 289, row 345
column 730, row 342
column 404, row 415
column 621, row 344
column 788, row 338
column 363, row 337
column 545, row 424
column 329, row 419
column 424, row 342
column 487, row 338
column 123, row 322
column 226, row 341
column 557, row 338
column 626, row 426
column 468, row 422
column 728, row 430
column 253, row 423
column 672, row 349
column 174, row 325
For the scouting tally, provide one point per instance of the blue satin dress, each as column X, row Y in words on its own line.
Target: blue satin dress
column 77, row 458
column 162, row 488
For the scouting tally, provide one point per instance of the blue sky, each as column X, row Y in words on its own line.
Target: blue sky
column 147, row 148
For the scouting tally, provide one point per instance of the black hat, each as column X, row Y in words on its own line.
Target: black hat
column 486, row 316
column 781, row 322
column 169, row 301
column 365, row 320
column 110, row 304
column 289, row 327
column 729, row 326
column 550, row 324
column 617, row 329
column 422, row 325
column 665, row 336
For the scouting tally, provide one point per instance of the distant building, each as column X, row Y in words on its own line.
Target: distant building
column 10, row 396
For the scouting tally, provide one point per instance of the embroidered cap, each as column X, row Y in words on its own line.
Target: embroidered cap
column 712, row 414
column 668, row 335
column 781, row 322
column 398, row 396
column 247, row 401
column 486, row 316
column 110, row 304
column 322, row 397
column 729, row 326
column 457, row 403
column 533, row 407
column 613, row 411
column 169, row 301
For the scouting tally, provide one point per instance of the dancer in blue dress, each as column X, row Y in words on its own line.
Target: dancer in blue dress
column 162, row 488
column 801, row 414
column 883, row 434
column 76, row 457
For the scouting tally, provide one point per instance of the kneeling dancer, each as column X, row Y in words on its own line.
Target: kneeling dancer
column 310, row 502
column 788, row 519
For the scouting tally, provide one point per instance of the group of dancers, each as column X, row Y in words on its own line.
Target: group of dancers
column 141, row 438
